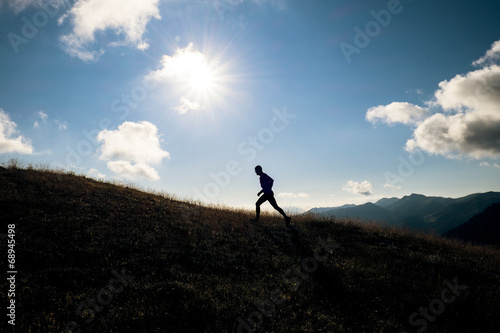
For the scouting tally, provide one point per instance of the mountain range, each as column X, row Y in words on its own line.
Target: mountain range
column 416, row 211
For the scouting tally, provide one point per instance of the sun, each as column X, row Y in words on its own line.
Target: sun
column 200, row 76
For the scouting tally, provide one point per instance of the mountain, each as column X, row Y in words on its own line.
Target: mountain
column 419, row 212
column 324, row 209
column 386, row 202
column 99, row 257
column 367, row 211
column 483, row 228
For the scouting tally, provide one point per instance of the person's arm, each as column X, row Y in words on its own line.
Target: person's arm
column 261, row 191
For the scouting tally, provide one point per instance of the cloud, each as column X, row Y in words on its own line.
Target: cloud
column 489, row 165
column 132, row 142
column 396, row 112
column 127, row 18
column 185, row 65
column 293, row 195
column 61, row 125
column 469, row 125
column 186, row 105
column 188, row 70
column 463, row 118
column 139, row 170
column 43, row 116
column 363, row 188
column 10, row 141
column 392, row 187
column 491, row 55
column 96, row 174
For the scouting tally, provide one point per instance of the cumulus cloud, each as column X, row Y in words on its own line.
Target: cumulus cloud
column 187, row 105
column 10, row 140
column 363, row 188
column 127, row 18
column 463, row 118
column 396, row 112
column 492, row 55
column 137, row 143
column 96, row 174
column 187, row 70
column 133, row 171
column 293, row 195
column 469, row 125
column 185, row 65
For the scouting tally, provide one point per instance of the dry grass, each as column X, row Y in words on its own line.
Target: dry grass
column 199, row 268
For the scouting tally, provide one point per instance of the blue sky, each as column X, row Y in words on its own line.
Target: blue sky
column 339, row 101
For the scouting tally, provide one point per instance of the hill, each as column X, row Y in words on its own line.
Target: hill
column 417, row 211
column 483, row 228
column 99, row 257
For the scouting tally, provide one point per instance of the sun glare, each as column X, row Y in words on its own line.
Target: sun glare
column 201, row 76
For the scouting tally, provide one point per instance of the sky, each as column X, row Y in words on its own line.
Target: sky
column 339, row 101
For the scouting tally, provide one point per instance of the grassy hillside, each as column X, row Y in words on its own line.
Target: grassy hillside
column 97, row 257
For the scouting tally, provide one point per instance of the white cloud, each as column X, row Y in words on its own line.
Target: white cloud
column 491, row 55
column 188, row 70
column 139, row 170
column 464, row 116
column 396, row 112
column 132, row 142
column 43, row 116
column 392, row 187
column 469, row 127
column 489, row 165
column 293, row 195
column 61, row 125
column 363, row 188
column 186, row 105
column 137, row 142
column 10, row 140
column 185, row 65
column 96, row 174
column 127, row 18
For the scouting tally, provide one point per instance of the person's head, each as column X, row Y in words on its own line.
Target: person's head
column 258, row 170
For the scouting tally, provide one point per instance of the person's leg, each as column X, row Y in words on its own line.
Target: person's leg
column 259, row 202
column 273, row 203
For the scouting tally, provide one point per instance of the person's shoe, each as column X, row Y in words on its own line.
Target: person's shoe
column 253, row 220
column 287, row 220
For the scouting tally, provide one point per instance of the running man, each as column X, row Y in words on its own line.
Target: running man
column 266, row 183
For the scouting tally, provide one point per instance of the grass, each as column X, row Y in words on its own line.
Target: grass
column 198, row 269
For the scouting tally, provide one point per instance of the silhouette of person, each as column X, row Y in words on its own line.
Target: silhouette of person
column 266, row 183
